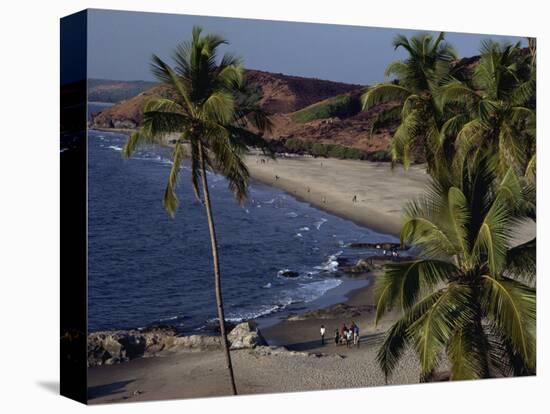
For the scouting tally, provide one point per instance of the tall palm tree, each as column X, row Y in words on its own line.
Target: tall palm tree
column 497, row 108
column 428, row 64
column 470, row 297
column 209, row 110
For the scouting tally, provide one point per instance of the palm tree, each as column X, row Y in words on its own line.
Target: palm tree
column 498, row 108
column 470, row 297
column 208, row 110
column 429, row 63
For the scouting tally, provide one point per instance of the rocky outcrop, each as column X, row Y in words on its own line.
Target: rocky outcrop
column 362, row 266
column 246, row 335
column 113, row 347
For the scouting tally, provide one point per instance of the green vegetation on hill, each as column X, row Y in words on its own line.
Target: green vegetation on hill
column 340, row 106
column 103, row 90
column 317, row 149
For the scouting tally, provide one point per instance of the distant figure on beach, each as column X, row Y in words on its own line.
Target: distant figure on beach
column 355, row 198
column 394, row 254
column 349, row 337
column 308, row 189
column 343, row 332
column 356, row 337
column 322, row 330
column 336, row 337
column 276, row 177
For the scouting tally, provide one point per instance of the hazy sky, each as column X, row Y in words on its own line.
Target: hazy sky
column 120, row 45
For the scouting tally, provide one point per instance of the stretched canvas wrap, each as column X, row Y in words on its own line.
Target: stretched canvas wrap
column 254, row 206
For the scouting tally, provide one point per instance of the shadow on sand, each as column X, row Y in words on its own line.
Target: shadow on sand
column 107, row 389
column 371, row 339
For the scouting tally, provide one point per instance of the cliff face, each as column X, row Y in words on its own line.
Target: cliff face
column 127, row 114
column 311, row 110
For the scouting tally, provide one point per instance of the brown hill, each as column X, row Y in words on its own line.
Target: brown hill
column 310, row 110
column 285, row 93
column 127, row 114
column 281, row 94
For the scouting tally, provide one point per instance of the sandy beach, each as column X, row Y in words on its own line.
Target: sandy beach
column 331, row 185
column 306, row 366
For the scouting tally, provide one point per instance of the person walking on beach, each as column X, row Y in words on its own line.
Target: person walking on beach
column 322, row 334
column 349, row 337
column 343, row 332
column 355, row 198
column 336, row 337
column 356, row 336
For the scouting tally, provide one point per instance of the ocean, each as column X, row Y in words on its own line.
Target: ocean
column 145, row 268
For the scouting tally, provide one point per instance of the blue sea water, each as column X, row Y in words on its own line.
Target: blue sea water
column 147, row 268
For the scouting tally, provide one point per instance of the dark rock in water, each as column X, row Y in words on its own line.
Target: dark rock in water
column 288, row 273
column 381, row 246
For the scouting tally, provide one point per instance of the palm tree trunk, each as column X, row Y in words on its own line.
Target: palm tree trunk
column 217, row 279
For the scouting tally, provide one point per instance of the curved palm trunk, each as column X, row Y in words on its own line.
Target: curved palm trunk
column 217, row 279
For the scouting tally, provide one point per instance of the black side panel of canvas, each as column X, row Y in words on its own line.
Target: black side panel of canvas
column 73, row 207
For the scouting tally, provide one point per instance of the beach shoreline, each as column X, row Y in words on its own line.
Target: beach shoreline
column 294, row 343
column 370, row 194
column 331, row 184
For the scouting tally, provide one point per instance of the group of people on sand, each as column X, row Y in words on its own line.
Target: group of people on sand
column 393, row 253
column 348, row 336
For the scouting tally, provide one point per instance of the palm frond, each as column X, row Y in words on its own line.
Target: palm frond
column 385, row 117
column 170, row 200
column 381, row 93
column 493, row 235
column 467, row 353
column 459, row 217
column 164, row 73
column 219, row 106
column 403, row 283
column 521, row 262
column 227, row 159
column 135, row 140
column 512, row 306
column 397, row 68
column 435, row 327
column 397, row 337
column 164, row 116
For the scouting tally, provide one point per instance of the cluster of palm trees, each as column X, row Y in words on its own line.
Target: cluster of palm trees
column 471, row 296
column 469, row 301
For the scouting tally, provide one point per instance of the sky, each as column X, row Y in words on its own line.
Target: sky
column 120, row 45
